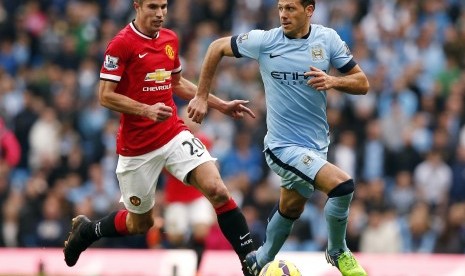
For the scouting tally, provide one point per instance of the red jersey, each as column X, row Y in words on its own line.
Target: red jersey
column 142, row 66
column 177, row 191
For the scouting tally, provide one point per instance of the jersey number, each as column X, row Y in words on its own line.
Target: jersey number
column 195, row 146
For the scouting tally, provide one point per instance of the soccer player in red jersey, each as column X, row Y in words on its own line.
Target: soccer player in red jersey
column 140, row 73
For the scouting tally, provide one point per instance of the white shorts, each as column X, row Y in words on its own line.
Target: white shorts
column 138, row 175
column 181, row 216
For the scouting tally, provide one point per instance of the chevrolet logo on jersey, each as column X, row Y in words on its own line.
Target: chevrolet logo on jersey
column 159, row 76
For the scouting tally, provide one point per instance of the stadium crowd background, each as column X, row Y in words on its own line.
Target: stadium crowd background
column 404, row 142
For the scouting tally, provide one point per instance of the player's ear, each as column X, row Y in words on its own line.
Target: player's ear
column 309, row 10
column 135, row 4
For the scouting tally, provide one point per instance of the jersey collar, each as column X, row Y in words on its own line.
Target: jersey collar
column 305, row 36
column 139, row 33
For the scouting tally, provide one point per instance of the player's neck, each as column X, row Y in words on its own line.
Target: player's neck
column 301, row 35
column 138, row 27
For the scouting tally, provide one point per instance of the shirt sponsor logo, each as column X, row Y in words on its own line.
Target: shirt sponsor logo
column 156, row 88
column 291, row 78
column 289, row 75
column 111, row 63
column 159, row 76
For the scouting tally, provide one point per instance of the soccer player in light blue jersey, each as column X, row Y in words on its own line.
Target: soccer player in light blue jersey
column 294, row 63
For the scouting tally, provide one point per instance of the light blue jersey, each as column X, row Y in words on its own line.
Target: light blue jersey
column 296, row 113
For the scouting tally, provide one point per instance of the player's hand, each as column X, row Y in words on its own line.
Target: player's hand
column 320, row 80
column 197, row 109
column 159, row 112
column 236, row 109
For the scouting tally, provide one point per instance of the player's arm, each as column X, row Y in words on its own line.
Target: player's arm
column 187, row 90
column 121, row 103
column 352, row 82
column 197, row 108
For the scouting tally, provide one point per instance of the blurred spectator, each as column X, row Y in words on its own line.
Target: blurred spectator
column 427, row 50
column 345, row 152
column 382, row 233
column 71, row 163
column 52, row 228
column 264, row 196
column 394, row 124
column 433, row 178
column 9, row 225
column 377, row 199
column 405, row 159
column 221, row 130
column 102, row 191
column 11, row 99
column 8, row 61
column 402, row 96
column 418, row 230
column 44, row 141
column 403, row 195
column 457, row 189
column 419, row 136
column 219, row 12
column 23, row 123
column 10, row 151
column 31, row 210
column 442, row 141
column 373, row 153
column 241, row 167
column 452, row 237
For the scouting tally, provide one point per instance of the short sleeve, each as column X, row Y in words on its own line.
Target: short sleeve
column 340, row 55
column 115, row 60
column 248, row 44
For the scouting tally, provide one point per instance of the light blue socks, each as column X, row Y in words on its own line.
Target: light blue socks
column 277, row 231
column 336, row 213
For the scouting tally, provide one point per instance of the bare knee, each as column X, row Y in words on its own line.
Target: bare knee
column 207, row 179
column 217, row 193
column 139, row 224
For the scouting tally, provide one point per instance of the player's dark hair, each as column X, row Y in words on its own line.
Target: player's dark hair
column 306, row 3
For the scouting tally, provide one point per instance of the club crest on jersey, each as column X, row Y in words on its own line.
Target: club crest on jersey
column 111, row 63
column 169, row 52
column 318, row 54
column 159, row 76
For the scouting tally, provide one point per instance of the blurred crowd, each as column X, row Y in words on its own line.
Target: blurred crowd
column 404, row 142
